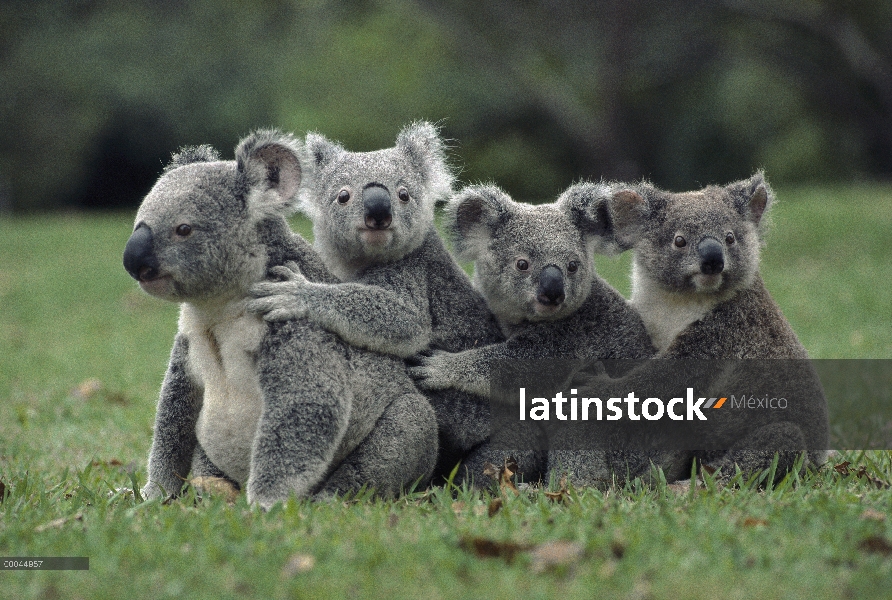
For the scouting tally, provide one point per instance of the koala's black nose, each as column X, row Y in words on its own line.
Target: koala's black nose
column 376, row 201
column 139, row 254
column 712, row 258
column 551, row 286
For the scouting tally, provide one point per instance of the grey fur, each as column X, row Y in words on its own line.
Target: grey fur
column 402, row 292
column 278, row 408
column 727, row 314
column 593, row 321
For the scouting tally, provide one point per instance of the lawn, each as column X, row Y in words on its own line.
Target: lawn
column 83, row 352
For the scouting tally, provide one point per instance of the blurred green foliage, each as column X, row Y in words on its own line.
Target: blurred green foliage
column 94, row 95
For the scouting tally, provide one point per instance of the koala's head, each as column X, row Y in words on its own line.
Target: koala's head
column 375, row 207
column 703, row 242
column 531, row 263
column 200, row 232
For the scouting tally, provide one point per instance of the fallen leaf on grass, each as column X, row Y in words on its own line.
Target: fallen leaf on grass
column 876, row 544
column 562, row 495
column 754, row 522
column 214, row 486
column 87, row 389
column 495, row 506
column 844, row 470
column 485, row 548
column 555, row 555
column 504, row 475
column 57, row 523
column 297, row 564
column 873, row 515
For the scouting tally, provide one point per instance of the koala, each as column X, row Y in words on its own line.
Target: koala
column 534, row 267
column 696, row 285
column 401, row 291
column 278, row 409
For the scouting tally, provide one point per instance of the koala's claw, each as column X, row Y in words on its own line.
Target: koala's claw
column 430, row 371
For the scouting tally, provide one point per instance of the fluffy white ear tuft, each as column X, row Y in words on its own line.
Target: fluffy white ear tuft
column 274, row 167
column 422, row 143
column 472, row 215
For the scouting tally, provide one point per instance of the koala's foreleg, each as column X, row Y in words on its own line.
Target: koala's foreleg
column 365, row 315
column 174, row 441
column 400, row 451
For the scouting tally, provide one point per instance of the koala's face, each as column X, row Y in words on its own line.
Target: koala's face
column 704, row 242
column 537, row 266
column 197, row 235
column 192, row 238
column 374, row 207
column 531, row 263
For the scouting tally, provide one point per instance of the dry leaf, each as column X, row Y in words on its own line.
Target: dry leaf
column 504, row 475
column 87, row 389
column 562, row 495
column 458, row 507
column 754, row 522
column 297, row 564
column 57, row 523
column 485, row 548
column 842, row 468
column 876, row 544
column 215, row 485
column 554, row 555
column 873, row 515
column 495, row 506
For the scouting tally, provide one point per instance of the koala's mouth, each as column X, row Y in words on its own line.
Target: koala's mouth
column 155, row 283
column 375, row 237
column 547, row 310
column 707, row 283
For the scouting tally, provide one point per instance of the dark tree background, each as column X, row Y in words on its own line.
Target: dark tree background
column 94, row 95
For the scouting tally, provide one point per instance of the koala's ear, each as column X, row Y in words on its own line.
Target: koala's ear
column 626, row 208
column 472, row 215
column 752, row 197
column 272, row 163
column 586, row 205
column 192, row 154
column 426, row 150
column 322, row 150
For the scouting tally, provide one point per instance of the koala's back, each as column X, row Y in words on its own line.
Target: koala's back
column 749, row 325
column 460, row 318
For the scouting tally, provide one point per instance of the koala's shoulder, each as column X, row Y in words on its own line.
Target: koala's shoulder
column 748, row 325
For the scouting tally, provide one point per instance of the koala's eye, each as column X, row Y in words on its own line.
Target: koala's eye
column 343, row 197
column 522, row 265
column 403, row 194
column 729, row 238
column 183, row 230
column 680, row 242
column 572, row 267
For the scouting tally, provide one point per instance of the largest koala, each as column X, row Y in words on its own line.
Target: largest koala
column 402, row 292
column 280, row 409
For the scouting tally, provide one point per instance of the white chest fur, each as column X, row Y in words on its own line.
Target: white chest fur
column 666, row 314
column 223, row 346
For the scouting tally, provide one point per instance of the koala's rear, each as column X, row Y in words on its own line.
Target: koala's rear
column 280, row 409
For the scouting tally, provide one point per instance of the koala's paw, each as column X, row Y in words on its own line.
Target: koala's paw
column 281, row 300
column 432, row 370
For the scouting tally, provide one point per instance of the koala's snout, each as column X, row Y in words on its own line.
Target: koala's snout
column 376, row 201
column 139, row 255
column 551, row 286
column 712, row 258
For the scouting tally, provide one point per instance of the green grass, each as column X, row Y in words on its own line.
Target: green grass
column 82, row 354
